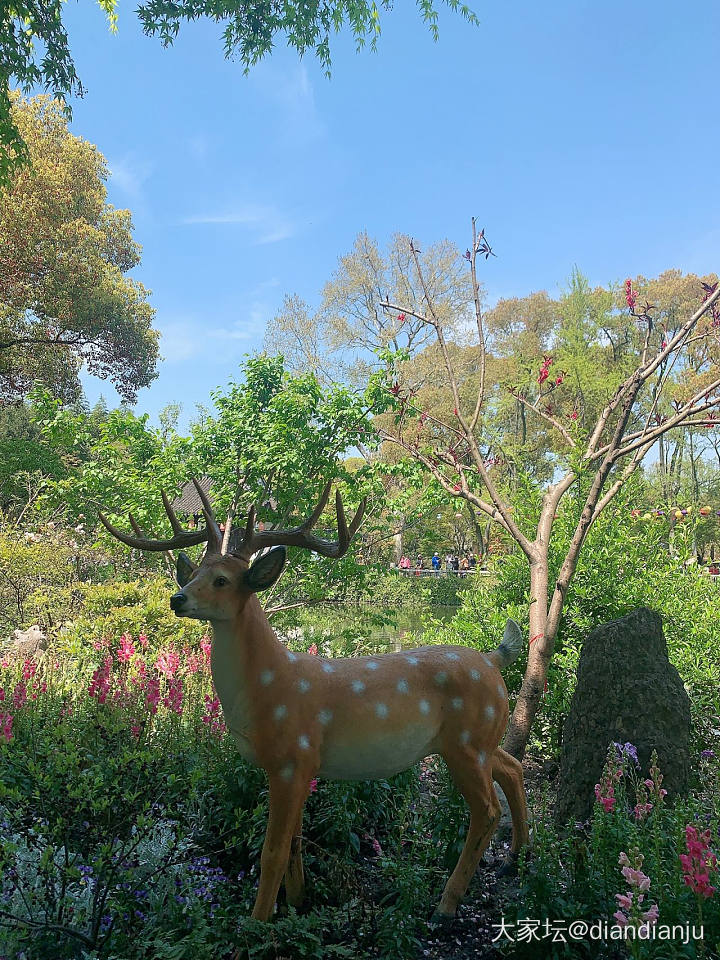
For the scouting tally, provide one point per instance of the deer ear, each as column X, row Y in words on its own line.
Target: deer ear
column 184, row 568
column 266, row 569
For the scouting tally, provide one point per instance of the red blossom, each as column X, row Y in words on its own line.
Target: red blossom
column 401, row 318
column 630, row 295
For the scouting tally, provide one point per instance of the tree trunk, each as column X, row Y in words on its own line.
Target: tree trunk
column 539, row 655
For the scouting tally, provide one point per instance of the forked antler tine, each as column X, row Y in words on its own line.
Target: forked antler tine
column 322, row 503
column 357, row 519
column 215, row 536
column 141, row 542
column 174, row 522
column 136, row 527
column 250, row 525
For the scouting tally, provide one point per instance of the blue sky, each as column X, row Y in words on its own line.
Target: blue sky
column 577, row 132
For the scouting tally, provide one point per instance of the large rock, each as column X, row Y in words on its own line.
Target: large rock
column 627, row 691
column 26, row 643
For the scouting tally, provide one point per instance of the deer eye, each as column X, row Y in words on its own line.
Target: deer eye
column 220, row 581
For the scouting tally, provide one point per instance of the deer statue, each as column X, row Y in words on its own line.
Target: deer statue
column 299, row 716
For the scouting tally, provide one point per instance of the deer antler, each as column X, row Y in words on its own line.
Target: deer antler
column 300, row 536
column 182, row 538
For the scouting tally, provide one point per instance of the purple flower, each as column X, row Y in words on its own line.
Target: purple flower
column 627, row 751
column 707, row 754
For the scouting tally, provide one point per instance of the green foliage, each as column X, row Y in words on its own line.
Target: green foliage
column 64, row 255
column 34, row 46
column 576, row 873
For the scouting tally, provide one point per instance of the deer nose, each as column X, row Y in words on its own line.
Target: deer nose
column 177, row 600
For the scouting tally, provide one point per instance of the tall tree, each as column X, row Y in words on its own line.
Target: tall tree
column 65, row 298
column 34, row 46
column 672, row 381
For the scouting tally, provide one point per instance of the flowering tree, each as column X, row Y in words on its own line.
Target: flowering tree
column 666, row 377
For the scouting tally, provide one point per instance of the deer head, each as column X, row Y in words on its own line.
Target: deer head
column 219, row 587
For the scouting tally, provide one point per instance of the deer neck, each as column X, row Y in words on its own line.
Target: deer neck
column 241, row 650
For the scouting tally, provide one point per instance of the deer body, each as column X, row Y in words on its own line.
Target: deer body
column 300, row 716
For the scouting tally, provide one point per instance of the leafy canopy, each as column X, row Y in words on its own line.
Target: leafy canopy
column 34, row 47
column 65, row 298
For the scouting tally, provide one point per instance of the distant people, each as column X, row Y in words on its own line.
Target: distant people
column 419, row 565
column 405, row 563
column 714, row 569
column 435, row 562
column 473, row 561
column 464, row 565
column 448, row 562
column 455, row 564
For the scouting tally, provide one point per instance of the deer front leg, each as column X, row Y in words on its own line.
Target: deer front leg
column 294, row 876
column 287, row 797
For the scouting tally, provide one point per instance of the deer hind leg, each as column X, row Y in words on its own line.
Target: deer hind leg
column 471, row 771
column 508, row 773
column 287, row 798
column 294, row 875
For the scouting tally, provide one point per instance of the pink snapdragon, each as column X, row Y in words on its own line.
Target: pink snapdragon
column 126, row 650
column 6, row 723
column 632, row 908
column 206, row 647
column 143, row 641
column 19, row 695
column 152, row 693
column 174, row 698
column 29, row 669
column 212, row 716
column 313, row 650
column 605, row 790
column 100, row 684
column 699, row 862
column 167, row 663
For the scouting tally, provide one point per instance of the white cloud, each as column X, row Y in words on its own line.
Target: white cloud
column 129, row 174
column 267, row 223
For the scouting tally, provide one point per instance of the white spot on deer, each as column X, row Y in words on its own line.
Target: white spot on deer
column 501, row 691
column 292, row 657
column 324, row 717
column 358, row 686
column 287, row 771
column 424, row 706
column 413, row 661
column 303, row 685
column 490, row 711
column 481, row 758
column 328, row 668
column 465, row 737
column 440, row 677
column 280, row 712
column 381, row 710
column 488, row 661
column 457, row 703
column 474, row 674
column 372, row 665
column 403, row 686
column 452, row 656
column 267, row 677
column 303, row 742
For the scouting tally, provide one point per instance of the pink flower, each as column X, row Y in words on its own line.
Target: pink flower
column 312, row 649
column 19, row 695
column 152, row 693
column 6, row 722
column 630, row 295
column 211, row 717
column 126, row 650
column 313, row 785
column 167, row 663
column 143, row 640
column 698, row 862
column 100, row 684
column 624, row 900
column 206, row 647
column 621, row 918
column 135, row 730
column 174, row 699
column 29, row 669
